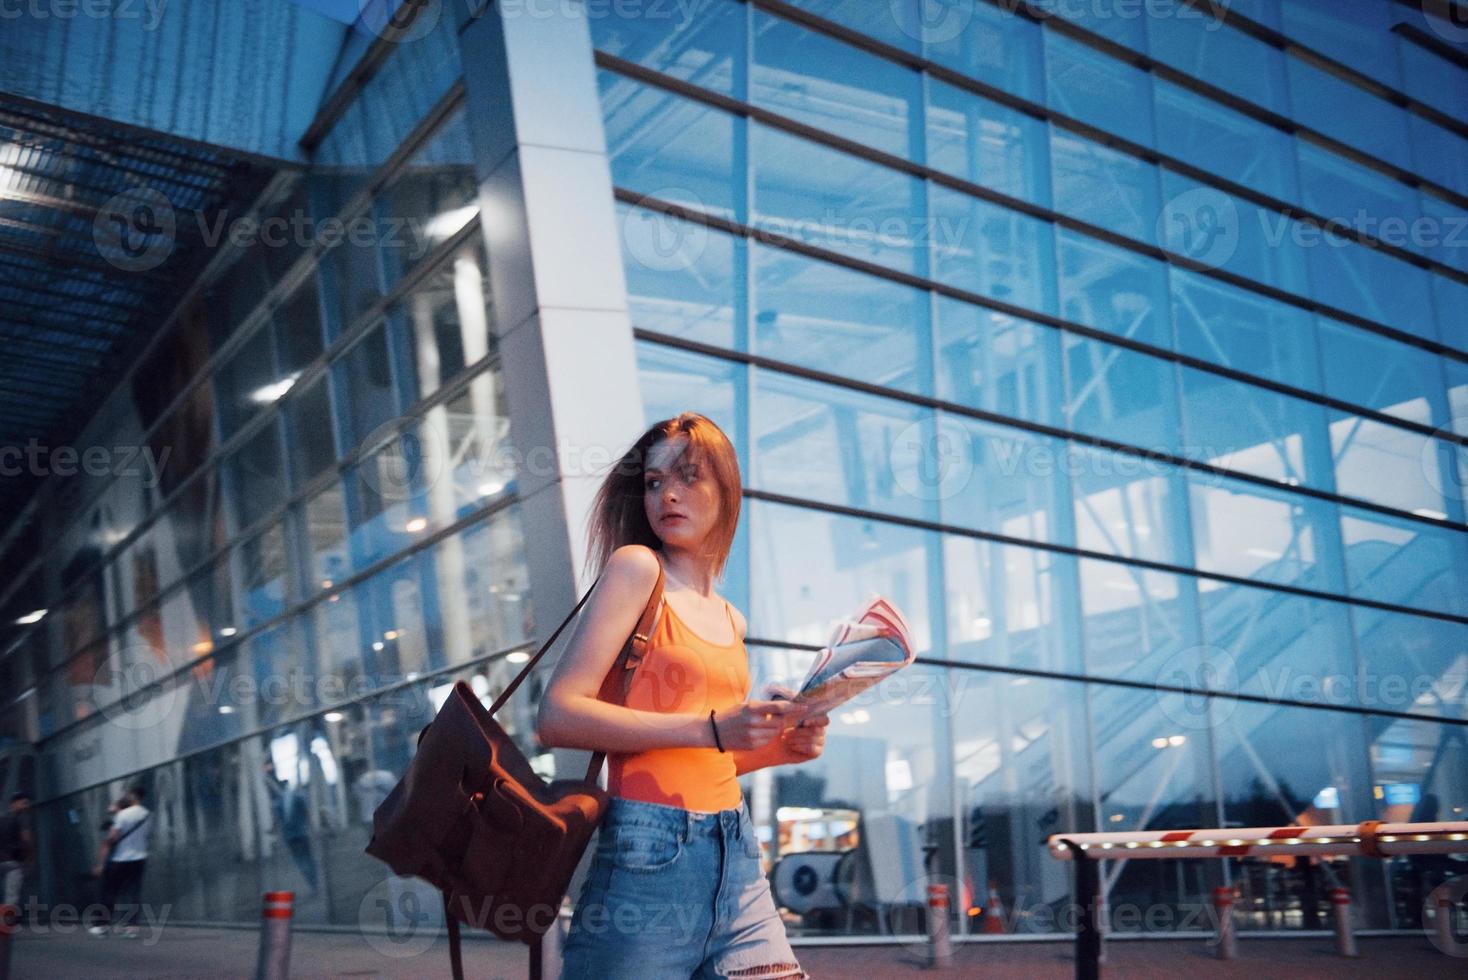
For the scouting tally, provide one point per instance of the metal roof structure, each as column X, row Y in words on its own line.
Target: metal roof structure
column 102, row 227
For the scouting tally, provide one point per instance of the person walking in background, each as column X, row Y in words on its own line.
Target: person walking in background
column 121, row 870
column 17, row 845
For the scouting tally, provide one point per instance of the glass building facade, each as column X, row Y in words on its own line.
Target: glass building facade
column 1124, row 348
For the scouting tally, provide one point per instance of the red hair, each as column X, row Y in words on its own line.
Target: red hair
column 618, row 515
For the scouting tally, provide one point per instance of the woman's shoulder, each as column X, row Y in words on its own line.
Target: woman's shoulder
column 739, row 624
column 632, row 566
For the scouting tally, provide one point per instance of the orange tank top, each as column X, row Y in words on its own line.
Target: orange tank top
column 685, row 674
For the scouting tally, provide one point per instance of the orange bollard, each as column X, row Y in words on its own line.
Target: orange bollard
column 1345, row 935
column 1223, row 905
column 274, row 960
column 940, row 950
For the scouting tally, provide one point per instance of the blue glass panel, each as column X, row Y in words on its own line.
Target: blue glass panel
column 1356, row 32
column 1221, row 141
column 1422, row 768
column 898, row 23
column 705, row 50
column 987, row 43
column 989, row 144
column 1113, row 289
column 1457, row 381
column 838, row 446
column 1128, row 506
column 1004, row 480
column 836, row 201
column 1269, row 535
column 1268, row 781
column 1087, row 85
column 670, row 147
column 1346, row 113
column 1376, row 372
column 1430, row 78
column 1121, row 394
column 684, row 279
column 1278, row 645
column 1451, row 302
column 1412, row 663
column 1104, row 187
column 1443, row 232
column 1241, row 329
column 1138, row 622
column 1406, row 562
column 834, row 87
column 831, row 318
column 674, row 381
column 1371, row 284
column 1193, row 42
column 1121, row 21
column 1397, row 468
column 1227, row 232
column 992, row 251
column 998, row 363
column 1254, row 430
column 813, row 568
column 1438, row 155
column 1362, row 199
column 1011, row 606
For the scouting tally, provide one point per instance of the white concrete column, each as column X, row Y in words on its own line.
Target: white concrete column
column 557, row 294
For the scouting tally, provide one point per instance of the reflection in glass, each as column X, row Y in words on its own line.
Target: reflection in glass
column 1010, row 606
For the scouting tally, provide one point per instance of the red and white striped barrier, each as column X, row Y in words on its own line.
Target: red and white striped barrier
column 1369, row 839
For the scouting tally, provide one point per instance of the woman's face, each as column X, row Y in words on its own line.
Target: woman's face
column 681, row 497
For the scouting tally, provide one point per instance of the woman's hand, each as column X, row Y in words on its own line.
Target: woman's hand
column 753, row 724
column 807, row 741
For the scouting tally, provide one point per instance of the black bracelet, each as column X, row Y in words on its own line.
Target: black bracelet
column 715, row 727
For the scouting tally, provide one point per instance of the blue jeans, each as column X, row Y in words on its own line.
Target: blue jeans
column 674, row 894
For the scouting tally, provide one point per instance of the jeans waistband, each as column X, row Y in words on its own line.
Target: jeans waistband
column 689, row 823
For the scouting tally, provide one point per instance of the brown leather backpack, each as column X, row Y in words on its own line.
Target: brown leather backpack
column 473, row 819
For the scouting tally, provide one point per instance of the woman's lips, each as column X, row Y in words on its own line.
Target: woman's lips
column 673, row 517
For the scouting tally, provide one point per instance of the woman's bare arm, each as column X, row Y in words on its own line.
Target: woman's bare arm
column 570, row 714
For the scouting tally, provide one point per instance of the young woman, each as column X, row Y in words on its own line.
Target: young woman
column 675, row 888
